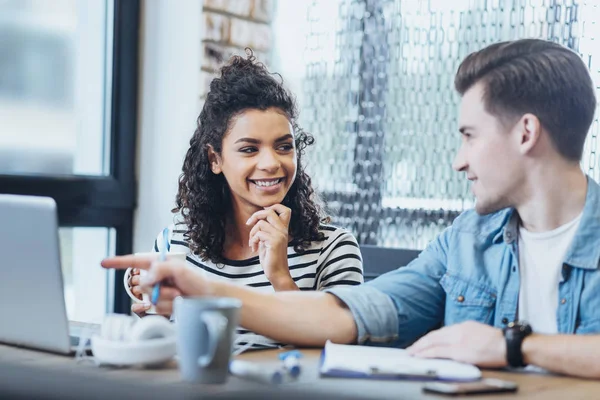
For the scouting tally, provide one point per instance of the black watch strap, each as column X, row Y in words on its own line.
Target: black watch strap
column 514, row 334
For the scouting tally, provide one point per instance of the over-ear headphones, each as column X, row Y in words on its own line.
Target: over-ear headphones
column 128, row 340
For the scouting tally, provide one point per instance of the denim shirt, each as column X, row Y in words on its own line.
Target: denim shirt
column 471, row 272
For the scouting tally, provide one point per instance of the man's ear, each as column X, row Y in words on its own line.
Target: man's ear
column 529, row 132
column 214, row 159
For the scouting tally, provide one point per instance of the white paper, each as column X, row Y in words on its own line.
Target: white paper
column 391, row 361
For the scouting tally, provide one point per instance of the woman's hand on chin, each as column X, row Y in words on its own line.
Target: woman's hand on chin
column 270, row 237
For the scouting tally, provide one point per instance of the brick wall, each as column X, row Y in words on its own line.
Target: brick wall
column 229, row 27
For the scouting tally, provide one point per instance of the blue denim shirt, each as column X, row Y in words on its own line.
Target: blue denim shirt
column 471, row 272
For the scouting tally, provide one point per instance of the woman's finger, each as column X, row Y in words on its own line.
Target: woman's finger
column 259, row 238
column 261, row 226
column 134, row 280
column 140, row 308
column 137, row 291
column 266, row 232
column 270, row 216
column 284, row 213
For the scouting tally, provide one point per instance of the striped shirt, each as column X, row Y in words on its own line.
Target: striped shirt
column 333, row 262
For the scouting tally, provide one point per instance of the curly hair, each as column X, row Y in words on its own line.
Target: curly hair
column 203, row 198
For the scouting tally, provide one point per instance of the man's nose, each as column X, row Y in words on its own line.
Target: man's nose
column 460, row 161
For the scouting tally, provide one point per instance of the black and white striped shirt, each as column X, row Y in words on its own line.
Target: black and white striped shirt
column 333, row 262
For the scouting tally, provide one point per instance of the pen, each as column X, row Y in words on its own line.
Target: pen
column 162, row 257
column 255, row 372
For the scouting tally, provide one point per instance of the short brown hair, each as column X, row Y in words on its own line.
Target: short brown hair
column 539, row 77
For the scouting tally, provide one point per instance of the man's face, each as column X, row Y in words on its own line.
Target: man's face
column 488, row 154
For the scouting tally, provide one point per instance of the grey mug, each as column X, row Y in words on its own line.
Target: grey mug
column 205, row 333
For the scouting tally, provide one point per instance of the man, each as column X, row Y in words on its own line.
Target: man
column 528, row 252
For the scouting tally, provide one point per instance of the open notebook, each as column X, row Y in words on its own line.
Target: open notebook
column 339, row 360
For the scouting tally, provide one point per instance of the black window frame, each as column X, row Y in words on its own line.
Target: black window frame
column 103, row 201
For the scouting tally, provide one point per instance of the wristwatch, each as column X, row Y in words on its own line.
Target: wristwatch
column 515, row 333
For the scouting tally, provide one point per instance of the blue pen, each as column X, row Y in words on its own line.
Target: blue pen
column 162, row 257
column 290, row 361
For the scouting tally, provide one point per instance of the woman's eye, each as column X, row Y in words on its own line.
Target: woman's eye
column 286, row 147
column 247, row 150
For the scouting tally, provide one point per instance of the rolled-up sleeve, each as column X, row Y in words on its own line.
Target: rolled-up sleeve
column 373, row 311
column 401, row 305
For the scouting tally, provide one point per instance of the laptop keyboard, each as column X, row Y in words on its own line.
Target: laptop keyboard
column 79, row 329
column 75, row 340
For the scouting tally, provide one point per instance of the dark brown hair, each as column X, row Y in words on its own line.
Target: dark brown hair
column 538, row 77
column 203, row 198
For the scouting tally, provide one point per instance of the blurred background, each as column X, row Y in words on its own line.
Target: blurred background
column 99, row 98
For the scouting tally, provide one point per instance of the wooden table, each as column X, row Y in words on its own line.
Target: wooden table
column 85, row 379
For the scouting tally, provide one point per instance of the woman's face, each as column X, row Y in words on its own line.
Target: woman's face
column 258, row 157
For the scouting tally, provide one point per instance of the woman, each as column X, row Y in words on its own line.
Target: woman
column 246, row 210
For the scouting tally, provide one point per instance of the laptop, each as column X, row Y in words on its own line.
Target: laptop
column 32, row 298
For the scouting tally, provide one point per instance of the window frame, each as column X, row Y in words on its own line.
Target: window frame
column 103, row 201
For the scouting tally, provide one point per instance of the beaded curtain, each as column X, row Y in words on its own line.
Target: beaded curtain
column 379, row 97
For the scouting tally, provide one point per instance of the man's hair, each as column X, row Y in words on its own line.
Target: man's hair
column 538, row 77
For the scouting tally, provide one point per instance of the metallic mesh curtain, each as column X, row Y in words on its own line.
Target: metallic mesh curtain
column 379, row 97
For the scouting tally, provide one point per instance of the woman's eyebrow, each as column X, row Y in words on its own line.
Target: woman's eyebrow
column 284, row 138
column 248, row 140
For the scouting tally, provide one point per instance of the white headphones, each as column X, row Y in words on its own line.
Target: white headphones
column 127, row 340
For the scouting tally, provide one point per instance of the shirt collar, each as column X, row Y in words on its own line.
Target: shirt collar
column 510, row 228
column 584, row 251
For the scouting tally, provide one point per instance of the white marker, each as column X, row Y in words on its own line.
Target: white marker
column 255, row 372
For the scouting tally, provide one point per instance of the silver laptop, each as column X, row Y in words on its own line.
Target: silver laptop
column 32, row 301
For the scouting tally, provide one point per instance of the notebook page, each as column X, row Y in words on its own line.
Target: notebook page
column 366, row 359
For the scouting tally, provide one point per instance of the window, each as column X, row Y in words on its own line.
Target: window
column 54, row 79
column 68, row 102
column 378, row 95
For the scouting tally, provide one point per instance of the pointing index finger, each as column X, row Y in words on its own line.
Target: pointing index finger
column 124, row 262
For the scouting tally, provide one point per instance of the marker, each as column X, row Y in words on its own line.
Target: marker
column 255, row 372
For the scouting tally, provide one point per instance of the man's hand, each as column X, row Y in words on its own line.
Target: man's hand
column 176, row 279
column 470, row 342
column 269, row 236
